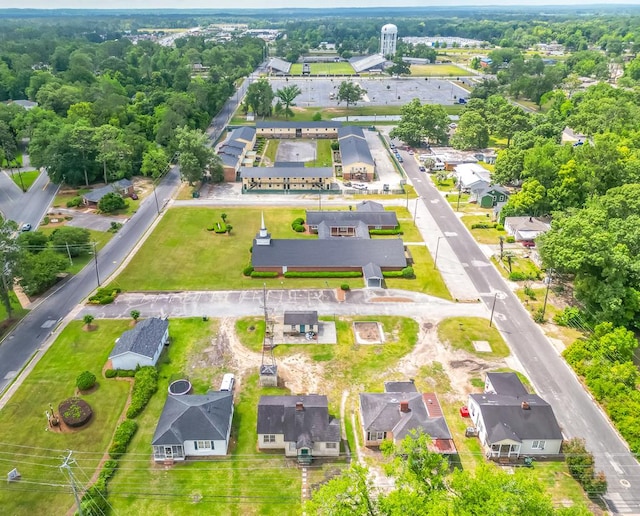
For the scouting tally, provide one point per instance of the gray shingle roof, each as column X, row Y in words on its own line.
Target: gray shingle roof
column 328, row 124
column 504, row 415
column 143, row 340
column 366, row 206
column 370, row 218
column 361, row 229
column 372, row 271
column 279, row 64
column 99, row 193
column 339, row 252
column 355, row 150
column 381, row 413
column 507, row 383
column 279, row 172
column 278, row 415
column 246, row 133
column 400, row 387
column 350, row 130
column 301, row 317
column 194, row 417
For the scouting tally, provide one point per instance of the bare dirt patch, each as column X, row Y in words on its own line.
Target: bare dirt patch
column 368, row 333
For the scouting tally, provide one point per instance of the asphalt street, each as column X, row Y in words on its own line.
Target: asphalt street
column 576, row 411
column 21, row 344
column 26, row 207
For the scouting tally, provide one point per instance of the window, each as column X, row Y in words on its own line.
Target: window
column 331, row 446
column 268, row 438
column 376, row 436
column 538, row 445
column 203, row 445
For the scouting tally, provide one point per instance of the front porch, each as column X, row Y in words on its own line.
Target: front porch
column 168, row 453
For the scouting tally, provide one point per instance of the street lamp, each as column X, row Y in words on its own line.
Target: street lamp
column 435, row 259
column 415, row 210
column 547, row 280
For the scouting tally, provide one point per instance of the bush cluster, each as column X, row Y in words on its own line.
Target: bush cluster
column 396, row 231
column 75, row 202
column 298, row 225
column 247, row 271
column 264, row 274
column 322, row 274
column 345, row 287
column 145, row 385
column 582, row 467
column 75, row 412
column 510, row 239
column 85, row 380
column 484, row 225
column 570, row 316
column 392, row 274
column 104, row 296
column 110, row 373
column 121, row 439
column 523, row 276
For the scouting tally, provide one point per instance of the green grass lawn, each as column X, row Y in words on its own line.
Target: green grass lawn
column 324, row 154
column 460, row 332
column 17, row 313
column 234, row 484
column 181, row 238
column 341, row 68
column 23, row 428
column 438, row 70
column 483, row 236
column 60, row 200
column 518, row 264
column 270, row 153
column 28, row 178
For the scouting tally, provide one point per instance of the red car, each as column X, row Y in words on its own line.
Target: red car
column 528, row 243
column 464, row 411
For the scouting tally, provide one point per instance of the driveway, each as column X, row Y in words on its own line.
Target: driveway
column 89, row 220
column 385, row 170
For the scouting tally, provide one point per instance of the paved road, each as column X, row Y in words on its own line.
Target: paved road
column 576, row 411
column 31, row 333
column 26, row 207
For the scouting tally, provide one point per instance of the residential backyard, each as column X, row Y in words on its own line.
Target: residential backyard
column 35, row 449
column 182, row 238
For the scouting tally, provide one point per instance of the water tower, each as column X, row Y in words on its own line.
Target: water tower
column 388, row 40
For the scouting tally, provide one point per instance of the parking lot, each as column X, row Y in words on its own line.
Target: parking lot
column 381, row 91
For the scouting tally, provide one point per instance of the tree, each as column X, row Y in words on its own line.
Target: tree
column 399, row 67
column 420, row 122
column 260, row 97
column 350, row 93
column 195, row 155
column 111, row 202
column 287, row 95
column 472, row 132
column 88, row 319
column 10, row 256
column 155, row 162
column 346, row 495
column 70, row 240
column 135, row 315
column 113, row 152
column 39, row 272
column 33, row 241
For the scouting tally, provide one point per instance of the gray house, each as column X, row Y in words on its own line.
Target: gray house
column 299, row 425
column 511, row 422
column 142, row 345
column 401, row 409
column 124, row 187
column 300, row 322
column 193, row 426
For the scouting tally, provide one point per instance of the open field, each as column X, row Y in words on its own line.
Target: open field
column 181, row 238
column 460, row 332
column 438, row 70
column 341, row 68
column 37, row 452
column 485, row 235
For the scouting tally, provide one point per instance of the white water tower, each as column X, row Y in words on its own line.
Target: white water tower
column 388, row 40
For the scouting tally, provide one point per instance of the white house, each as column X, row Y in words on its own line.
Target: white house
column 512, row 423
column 526, row 228
column 471, row 176
column 194, row 426
column 142, row 345
column 299, row 425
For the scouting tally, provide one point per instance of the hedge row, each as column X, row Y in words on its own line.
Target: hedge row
column 104, row 295
column 392, row 274
column 322, row 274
column 484, row 225
column 385, row 232
column 218, row 227
column 260, row 274
column 145, row 385
column 121, row 439
column 524, row 276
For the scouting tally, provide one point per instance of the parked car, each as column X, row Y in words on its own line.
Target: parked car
column 26, row 227
column 528, row 243
column 400, row 159
column 134, row 196
column 422, row 169
column 410, row 152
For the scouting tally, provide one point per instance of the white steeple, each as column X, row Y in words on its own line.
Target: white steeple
column 263, row 237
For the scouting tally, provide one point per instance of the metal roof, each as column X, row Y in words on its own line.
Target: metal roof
column 506, row 383
column 279, row 64
column 350, row 130
column 360, row 64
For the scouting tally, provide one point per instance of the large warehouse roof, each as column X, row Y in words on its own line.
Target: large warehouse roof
column 362, row 64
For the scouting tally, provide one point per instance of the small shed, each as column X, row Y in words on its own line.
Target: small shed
column 301, row 322
column 372, row 275
column 268, row 375
column 142, row 345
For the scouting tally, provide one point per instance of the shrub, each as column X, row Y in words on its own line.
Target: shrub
column 582, row 467
column 500, row 227
column 122, row 437
column 145, row 385
column 299, row 229
column 570, row 316
column 104, row 296
column 322, row 274
column 298, row 222
column 392, row 274
column 75, row 412
column 85, row 380
column 263, row 274
column 408, row 273
column 125, row 373
column 108, row 470
column 538, row 316
column 317, row 116
column 483, row 225
column 530, row 293
column 345, row 287
column 46, row 221
column 396, row 231
column 110, row 373
column 247, row 270
column 111, row 202
column 510, row 239
column 220, row 227
column 335, row 146
column 115, row 226
column 522, row 276
column 94, row 500
column 75, row 202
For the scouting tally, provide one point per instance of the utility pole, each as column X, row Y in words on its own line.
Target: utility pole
column 415, row 209
column 546, row 294
column 155, row 195
column 66, row 466
column 69, row 253
column 95, row 261
column 459, row 195
column 493, row 307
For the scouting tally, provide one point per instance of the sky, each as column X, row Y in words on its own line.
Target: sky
column 262, row 4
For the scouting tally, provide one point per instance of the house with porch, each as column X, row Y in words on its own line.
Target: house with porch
column 357, row 223
column 193, row 426
column 300, row 322
column 400, row 410
column 526, row 228
column 142, row 345
column 299, row 425
column 511, row 422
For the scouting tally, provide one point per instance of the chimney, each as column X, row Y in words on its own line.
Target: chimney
column 411, row 380
column 525, row 406
column 299, row 406
column 404, row 406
